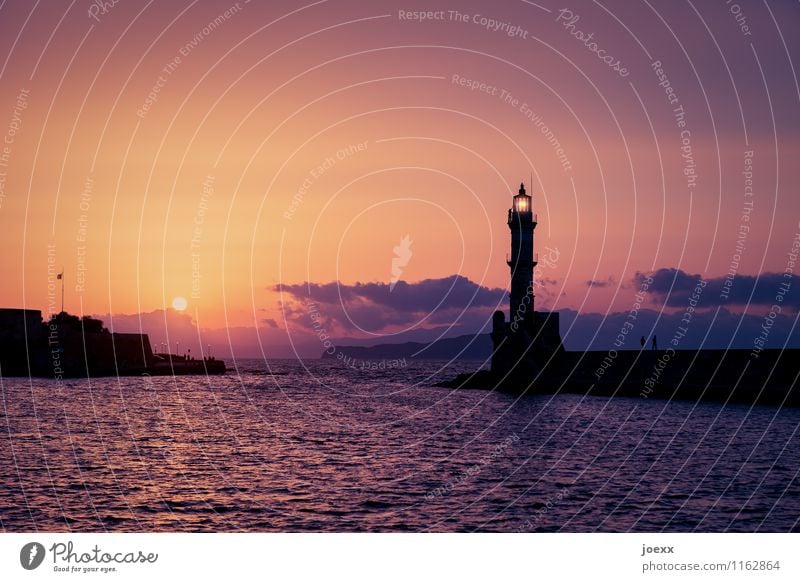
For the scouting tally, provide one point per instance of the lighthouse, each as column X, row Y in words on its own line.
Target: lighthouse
column 529, row 339
column 521, row 260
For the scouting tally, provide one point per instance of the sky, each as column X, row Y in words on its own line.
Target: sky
column 258, row 175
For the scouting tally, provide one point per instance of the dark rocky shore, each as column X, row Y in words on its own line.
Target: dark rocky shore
column 67, row 346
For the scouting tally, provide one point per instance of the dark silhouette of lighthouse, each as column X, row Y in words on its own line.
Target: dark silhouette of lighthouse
column 524, row 343
column 522, row 261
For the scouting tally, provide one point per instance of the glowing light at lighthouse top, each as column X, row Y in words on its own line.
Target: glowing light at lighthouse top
column 522, row 202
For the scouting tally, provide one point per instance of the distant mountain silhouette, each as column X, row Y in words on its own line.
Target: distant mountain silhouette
column 443, row 349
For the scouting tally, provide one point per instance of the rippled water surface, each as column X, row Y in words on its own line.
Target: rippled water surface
column 329, row 448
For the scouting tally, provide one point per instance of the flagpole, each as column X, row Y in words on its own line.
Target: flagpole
column 62, row 289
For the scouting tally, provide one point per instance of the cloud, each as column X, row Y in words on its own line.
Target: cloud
column 425, row 295
column 674, row 288
column 601, row 283
column 376, row 307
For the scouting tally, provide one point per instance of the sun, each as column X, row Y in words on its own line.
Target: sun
column 179, row 303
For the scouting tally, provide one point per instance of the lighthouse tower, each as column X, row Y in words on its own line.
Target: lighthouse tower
column 521, row 261
column 529, row 339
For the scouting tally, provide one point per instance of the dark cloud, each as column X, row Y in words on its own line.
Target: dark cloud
column 674, row 288
column 425, row 295
column 603, row 283
column 457, row 305
column 373, row 307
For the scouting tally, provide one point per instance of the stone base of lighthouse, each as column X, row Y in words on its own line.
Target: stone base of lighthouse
column 521, row 348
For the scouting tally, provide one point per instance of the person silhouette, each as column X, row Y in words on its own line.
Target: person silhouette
column 655, row 343
column 642, row 341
